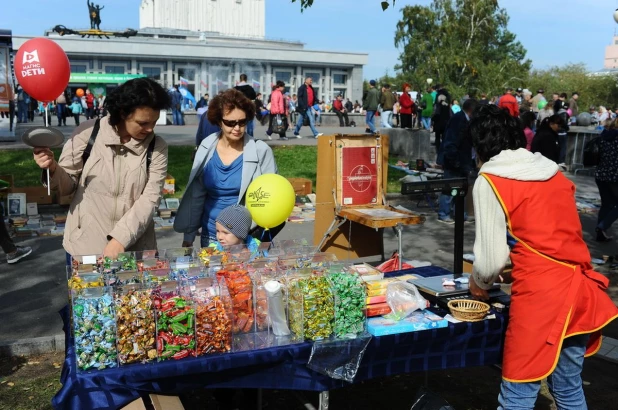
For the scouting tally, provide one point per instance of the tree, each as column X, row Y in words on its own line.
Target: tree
column 305, row 4
column 464, row 44
column 593, row 89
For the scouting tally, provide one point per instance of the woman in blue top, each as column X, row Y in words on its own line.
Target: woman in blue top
column 224, row 166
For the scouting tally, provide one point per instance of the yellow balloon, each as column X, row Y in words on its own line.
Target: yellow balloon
column 270, row 200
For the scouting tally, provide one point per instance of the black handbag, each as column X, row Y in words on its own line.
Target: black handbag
column 280, row 124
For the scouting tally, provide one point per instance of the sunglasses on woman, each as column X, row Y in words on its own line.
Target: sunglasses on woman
column 233, row 124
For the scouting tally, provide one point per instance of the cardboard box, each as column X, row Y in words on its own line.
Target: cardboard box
column 36, row 194
column 302, row 186
column 169, row 185
column 158, row 403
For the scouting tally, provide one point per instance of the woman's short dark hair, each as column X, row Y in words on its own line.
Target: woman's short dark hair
column 227, row 101
column 493, row 130
column 139, row 92
column 280, row 84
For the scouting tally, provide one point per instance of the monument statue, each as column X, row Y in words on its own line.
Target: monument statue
column 95, row 15
column 94, row 12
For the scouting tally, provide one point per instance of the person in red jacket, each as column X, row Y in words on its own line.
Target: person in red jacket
column 278, row 108
column 89, row 104
column 559, row 304
column 406, row 103
column 341, row 111
column 509, row 103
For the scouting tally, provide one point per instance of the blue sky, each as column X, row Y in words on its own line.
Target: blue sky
column 554, row 32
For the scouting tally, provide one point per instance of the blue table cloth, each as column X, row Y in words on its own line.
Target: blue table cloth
column 456, row 346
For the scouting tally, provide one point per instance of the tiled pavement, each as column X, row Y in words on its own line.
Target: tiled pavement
column 609, row 349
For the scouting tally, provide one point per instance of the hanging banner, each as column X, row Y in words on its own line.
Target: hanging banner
column 6, row 87
column 102, row 78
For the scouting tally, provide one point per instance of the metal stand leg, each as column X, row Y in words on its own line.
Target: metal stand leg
column 324, row 396
column 399, row 229
column 333, row 227
column 459, row 235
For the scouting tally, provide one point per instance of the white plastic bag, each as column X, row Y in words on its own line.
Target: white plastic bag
column 403, row 299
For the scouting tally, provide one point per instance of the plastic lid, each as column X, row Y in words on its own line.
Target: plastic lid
column 272, row 287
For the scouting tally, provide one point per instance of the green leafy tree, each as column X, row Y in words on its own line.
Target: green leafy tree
column 305, row 4
column 593, row 89
column 463, row 44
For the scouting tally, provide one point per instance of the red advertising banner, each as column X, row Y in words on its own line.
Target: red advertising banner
column 6, row 88
column 359, row 176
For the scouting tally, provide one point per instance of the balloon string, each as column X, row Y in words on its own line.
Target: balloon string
column 46, row 107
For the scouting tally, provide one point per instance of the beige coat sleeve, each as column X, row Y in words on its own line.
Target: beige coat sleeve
column 133, row 224
column 70, row 163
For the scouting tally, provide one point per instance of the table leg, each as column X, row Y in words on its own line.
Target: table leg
column 399, row 229
column 324, row 396
column 259, row 399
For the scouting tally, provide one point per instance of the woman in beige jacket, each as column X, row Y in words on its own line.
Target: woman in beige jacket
column 117, row 187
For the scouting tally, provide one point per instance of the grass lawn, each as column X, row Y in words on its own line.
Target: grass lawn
column 293, row 162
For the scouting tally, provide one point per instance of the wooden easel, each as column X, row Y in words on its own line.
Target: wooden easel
column 336, row 221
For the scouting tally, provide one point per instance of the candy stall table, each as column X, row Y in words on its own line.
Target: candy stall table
column 284, row 367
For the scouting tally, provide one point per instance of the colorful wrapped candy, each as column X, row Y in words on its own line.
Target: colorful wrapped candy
column 350, row 302
column 136, row 324
column 94, row 329
column 124, row 262
column 213, row 327
column 175, row 325
column 311, row 307
column 240, row 287
column 154, row 270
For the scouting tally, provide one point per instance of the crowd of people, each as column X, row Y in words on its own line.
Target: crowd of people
column 518, row 192
column 69, row 104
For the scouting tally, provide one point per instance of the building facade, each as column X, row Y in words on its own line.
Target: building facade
column 611, row 55
column 210, row 63
column 242, row 18
column 206, row 45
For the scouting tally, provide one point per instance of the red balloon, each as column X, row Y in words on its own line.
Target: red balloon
column 42, row 69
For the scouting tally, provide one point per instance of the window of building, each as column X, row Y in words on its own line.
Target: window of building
column 339, row 78
column 285, row 76
column 187, row 73
column 114, row 69
column 79, row 68
column 152, row 72
column 315, row 76
column 220, row 76
column 340, row 91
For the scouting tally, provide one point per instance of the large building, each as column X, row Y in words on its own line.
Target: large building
column 243, row 18
column 202, row 44
column 611, row 55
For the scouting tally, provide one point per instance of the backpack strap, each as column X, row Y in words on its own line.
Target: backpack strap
column 93, row 137
column 149, row 152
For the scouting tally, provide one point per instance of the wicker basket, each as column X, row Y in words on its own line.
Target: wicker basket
column 468, row 310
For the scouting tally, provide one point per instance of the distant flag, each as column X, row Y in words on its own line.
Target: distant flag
column 184, row 81
column 203, row 84
column 186, row 95
column 256, row 84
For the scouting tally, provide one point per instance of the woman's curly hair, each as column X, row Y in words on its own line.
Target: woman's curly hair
column 139, row 92
column 493, row 130
column 227, row 101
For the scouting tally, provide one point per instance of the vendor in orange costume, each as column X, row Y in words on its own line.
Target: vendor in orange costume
column 559, row 304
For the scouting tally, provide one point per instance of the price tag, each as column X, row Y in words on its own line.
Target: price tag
column 90, row 260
